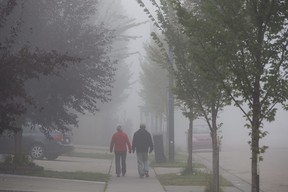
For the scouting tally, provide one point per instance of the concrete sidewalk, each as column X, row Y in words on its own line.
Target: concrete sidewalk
column 18, row 183
column 172, row 188
column 132, row 181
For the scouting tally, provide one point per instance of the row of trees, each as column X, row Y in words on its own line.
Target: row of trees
column 154, row 81
column 97, row 129
column 224, row 52
column 56, row 62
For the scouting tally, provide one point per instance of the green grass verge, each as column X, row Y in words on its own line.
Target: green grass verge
column 90, row 155
column 168, row 164
column 79, row 175
column 175, row 164
column 196, row 179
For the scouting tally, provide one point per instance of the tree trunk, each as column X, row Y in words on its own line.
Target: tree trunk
column 254, row 171
column 215, row 162
column 255, row 132
column 190, row 146
column 18, row 142
column 255, row 151
column 215, row 147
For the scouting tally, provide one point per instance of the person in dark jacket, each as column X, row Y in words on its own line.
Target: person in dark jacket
column 120, row 142
column 142, row 143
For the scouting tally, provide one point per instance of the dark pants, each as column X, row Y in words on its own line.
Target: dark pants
column 120, row 162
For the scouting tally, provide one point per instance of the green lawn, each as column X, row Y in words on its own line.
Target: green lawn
column 79, row 175
column 27, row 167
column 175, row 164
column 197, row 179
column 200, row 177
column 90, row 155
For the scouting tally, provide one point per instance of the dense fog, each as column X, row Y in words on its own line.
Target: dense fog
column 72, row 71
column 235, row 134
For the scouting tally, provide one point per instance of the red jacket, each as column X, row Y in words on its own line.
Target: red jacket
column 120, row 142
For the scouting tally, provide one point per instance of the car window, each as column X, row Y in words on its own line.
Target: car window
column 28, row 129
column 201, row 129
column 7, row 133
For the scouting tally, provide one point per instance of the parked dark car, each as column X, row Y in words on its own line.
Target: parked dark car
column 38, row 142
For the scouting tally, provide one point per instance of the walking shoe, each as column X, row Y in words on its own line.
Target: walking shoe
column 141, row 176
column 118, row 175
column 146, row 175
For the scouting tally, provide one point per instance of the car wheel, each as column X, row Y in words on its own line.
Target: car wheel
column 52, row 156
column 37, row 151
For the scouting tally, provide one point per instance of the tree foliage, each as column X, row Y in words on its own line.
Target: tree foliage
column 154, row 80
column 195, row 90
column 112, row 16
column 80, row 87
column 248, row 42
column 59, row 58
column 20, row 63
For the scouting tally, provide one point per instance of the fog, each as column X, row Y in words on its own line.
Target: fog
column 96, row 129
column 234, row 134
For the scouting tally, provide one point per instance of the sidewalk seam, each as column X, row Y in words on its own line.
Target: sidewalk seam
column 157, row 179
column 109, row 172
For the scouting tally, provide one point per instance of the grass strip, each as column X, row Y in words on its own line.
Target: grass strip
column 195, row 179
column 78, row 175
column 168, row 164
column 175, row 164
column 90, row 155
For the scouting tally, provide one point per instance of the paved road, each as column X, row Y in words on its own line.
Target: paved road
column 237, row 167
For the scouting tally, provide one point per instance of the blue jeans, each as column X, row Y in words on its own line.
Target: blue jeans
column 120, row 162
column 142, row 162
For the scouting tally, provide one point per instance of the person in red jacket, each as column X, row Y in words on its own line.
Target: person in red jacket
column 120, row 142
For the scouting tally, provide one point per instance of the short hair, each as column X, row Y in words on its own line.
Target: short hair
column 119, row 127
column 142, row 125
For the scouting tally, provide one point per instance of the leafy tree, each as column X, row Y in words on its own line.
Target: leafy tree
column 35, row 44
column 111, row 16
column 67, row 27
column 164, row 28
column 154, row 80
column 204, row 98
column 197, row 92
column 20, row 63
column 248, row 42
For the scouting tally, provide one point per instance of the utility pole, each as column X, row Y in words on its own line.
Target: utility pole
column 170, row 120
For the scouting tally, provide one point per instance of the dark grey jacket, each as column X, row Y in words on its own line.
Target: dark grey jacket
column 142, row 141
